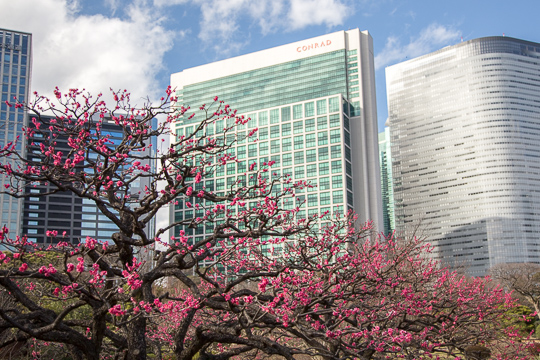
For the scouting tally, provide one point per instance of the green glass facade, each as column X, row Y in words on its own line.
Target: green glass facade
column 294, row 81
column 307, row 106
column 311, row 143
column 387, row 187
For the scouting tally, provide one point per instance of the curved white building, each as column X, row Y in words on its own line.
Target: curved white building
column 465, row 133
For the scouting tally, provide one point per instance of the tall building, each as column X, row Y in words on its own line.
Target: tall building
column 65, row 211
column 465, row 134
column 313, row 103
column 15, row 68
column 387, row 189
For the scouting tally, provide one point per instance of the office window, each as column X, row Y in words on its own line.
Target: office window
column 309, row 109
column 263, row 118
column 325, row 198
column 242, row 167
column 324, row 168
column 337, row 197
column 321, row 107
column 287, row 159
column 337, row 181
column 252, row 150
column 263, row 148
column 241, row 152
column 333, row 104
column 348, row 168
column 274, row 131
column 220, row 170
column 311, row 170
column 310, row 140
column 275, row 146
column 335, row 151
column 274, row 116
column 322, row 123
column 286, row 113
column 286, row 144
column 322, row 138
column 310, row 125
column 299, row 172
column 252, row 122
column 311, row 155
column 298, row 157
column 323, row 153
column 286, row 129
column 298, row 127
column 276, row 159
column 262, row 133
column 297, row 112
column 298, row 142
column 335, row 136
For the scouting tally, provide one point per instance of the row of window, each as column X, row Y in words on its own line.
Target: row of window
column 291, row 84
column 14, row 58
column 14, row 41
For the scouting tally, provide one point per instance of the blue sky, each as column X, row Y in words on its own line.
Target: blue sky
column 137, row 44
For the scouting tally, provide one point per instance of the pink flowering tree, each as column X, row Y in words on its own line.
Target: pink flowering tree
column 335, row 294
column 261, row 281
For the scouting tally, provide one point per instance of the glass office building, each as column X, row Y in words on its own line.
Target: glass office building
column 15, row 68
column 313, row 103
column 65, row 211
column 465, row 134
column 387, row 189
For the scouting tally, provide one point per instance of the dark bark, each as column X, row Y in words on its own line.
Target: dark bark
column 136, row 339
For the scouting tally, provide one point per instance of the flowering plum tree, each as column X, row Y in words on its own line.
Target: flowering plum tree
column 523, row 279
column 262, row 280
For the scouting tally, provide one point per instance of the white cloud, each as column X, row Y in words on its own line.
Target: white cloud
column 317, row 12
column 430, row 38
column 222, row 21
column 112, row 4
column 268, row 14
column 92, row 52
column 219, row 21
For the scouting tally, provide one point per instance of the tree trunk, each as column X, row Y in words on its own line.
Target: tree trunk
column 136, row 339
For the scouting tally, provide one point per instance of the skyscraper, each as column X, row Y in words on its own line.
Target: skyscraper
column 65, row 211
column 465, row 134
column 387, row 190
column 15, row 68
column 313, row 103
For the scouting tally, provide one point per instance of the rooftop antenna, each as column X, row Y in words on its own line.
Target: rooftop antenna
column 503, row 34
column 462, row 39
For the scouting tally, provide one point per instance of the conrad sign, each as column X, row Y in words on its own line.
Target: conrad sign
column 314, row 46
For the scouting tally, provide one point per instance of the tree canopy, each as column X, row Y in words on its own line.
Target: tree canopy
column 263, row 281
